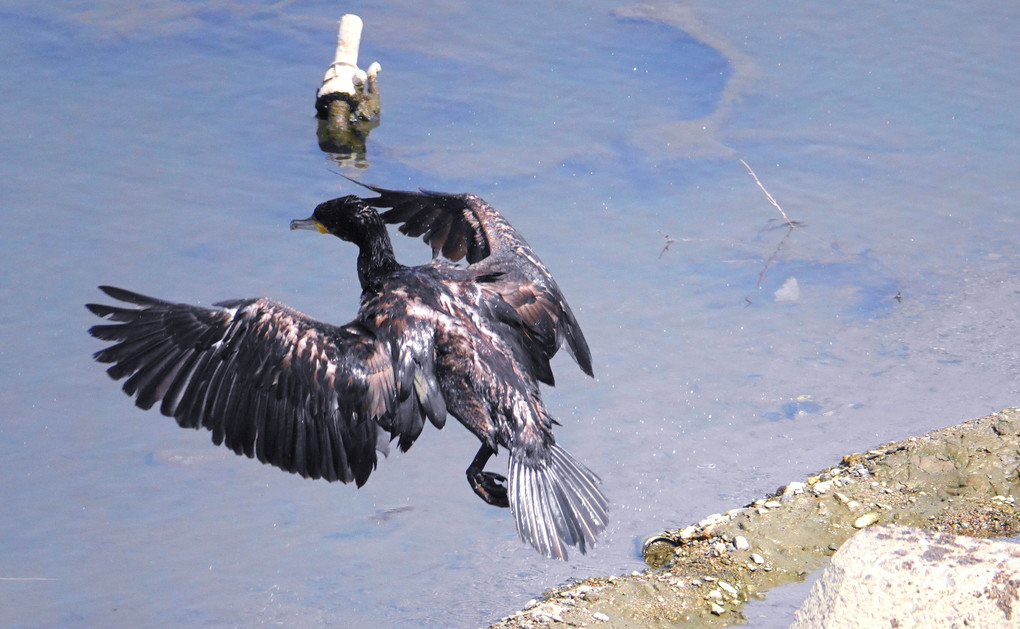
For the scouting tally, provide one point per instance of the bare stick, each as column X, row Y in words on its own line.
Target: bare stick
column 790, row 225
column 768, row 196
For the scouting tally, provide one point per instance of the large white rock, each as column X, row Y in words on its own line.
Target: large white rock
column 893, row 576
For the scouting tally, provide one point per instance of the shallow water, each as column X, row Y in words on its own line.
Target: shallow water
column 165, row 147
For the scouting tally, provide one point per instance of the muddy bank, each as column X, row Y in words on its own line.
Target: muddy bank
column 964, row 479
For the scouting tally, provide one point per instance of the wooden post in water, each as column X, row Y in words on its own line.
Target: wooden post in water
column 347, row 103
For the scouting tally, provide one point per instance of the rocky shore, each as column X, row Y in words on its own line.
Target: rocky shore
column 963, row 479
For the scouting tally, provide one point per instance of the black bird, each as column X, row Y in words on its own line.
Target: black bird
column 319, row 400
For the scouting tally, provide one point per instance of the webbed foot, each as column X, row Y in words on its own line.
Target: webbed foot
column 490, row 487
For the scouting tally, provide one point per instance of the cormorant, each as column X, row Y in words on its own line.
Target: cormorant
column 319, row 400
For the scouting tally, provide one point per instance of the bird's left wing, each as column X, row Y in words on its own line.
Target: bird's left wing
column 456, row 226
column 269, row 382
column 464, row 225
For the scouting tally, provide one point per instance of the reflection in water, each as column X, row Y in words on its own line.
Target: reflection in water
column 385, row 515
column 344, row 139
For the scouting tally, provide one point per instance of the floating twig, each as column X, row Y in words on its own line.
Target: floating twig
column 769, row 196
column 790, row 226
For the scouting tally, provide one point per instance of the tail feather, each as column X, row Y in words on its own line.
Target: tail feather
column 556, row 502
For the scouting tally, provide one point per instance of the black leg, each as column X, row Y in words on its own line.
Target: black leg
column 489, row 486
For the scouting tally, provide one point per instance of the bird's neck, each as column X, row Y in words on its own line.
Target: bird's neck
column 376, row 261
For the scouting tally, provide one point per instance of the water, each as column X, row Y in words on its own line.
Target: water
column 164, row 148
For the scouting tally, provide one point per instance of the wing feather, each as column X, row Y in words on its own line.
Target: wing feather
column 456, row 225
column 464, row 225
column 271, row 383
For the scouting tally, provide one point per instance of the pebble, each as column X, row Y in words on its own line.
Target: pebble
column 758, row 559
column 822, row 487
column 794, row 488
column 579, row 592
column 740, row 543
column 549, row 611
column 732, row 591
column 712, row 519
column 600, row 617
column 688, row 532
column 865, row 520
column 717, row 609
column 859, row 470
column 773, row 504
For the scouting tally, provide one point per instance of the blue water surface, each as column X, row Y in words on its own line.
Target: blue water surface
column 164, row 147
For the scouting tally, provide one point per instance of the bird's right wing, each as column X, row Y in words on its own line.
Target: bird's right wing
column 270, row 382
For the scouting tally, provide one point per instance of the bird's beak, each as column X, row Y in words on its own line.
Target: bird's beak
column 308, row 223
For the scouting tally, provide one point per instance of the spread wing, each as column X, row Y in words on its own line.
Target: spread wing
column 454, row 225
column 271, row 383
column 464, row 225
column 545, row 321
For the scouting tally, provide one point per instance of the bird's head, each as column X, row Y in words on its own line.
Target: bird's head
column 348, row 218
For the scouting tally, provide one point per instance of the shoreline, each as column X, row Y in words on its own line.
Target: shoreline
column 964, row 479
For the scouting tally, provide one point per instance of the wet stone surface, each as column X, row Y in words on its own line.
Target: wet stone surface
column 963, row 479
